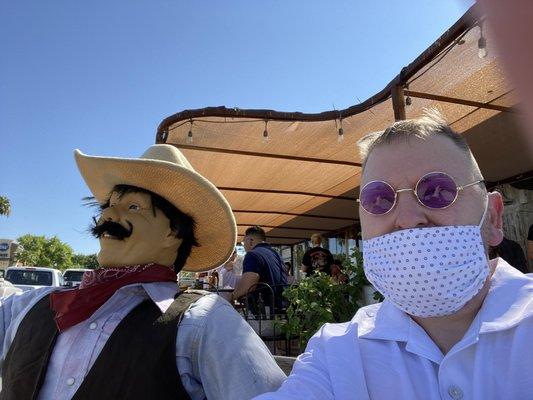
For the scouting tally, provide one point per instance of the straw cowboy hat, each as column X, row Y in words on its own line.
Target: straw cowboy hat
column 164, row 170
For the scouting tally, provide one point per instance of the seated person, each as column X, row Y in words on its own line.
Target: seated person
column 261, row 264
column 317, row 258
column 226, row 273
column 336, row 272
column 291, row 279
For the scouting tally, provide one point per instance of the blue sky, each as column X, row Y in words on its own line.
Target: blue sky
column 101, row 75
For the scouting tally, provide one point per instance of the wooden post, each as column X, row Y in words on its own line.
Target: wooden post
column 346, row 241
column 293, row 262
column 398, row 102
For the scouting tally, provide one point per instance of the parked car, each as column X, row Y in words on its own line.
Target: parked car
column 27, row 278
column 73, row 276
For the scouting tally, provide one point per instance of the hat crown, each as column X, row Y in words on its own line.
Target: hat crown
column 168, row 153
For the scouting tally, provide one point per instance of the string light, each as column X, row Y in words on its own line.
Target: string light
column 340, row 137
column 265, row 133
column 189, row 135
column 481, row 43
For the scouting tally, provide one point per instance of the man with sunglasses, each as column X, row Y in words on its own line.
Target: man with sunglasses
column 454, row 324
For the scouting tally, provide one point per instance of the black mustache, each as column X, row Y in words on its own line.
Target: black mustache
column 112, row 228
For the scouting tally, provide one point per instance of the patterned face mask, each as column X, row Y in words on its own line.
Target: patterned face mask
column 428, row 272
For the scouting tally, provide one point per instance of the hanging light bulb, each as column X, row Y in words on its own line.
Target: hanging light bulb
column 481, row 44
column 340, row 137
column 265, row 133
column 164, row 135
column 189, row 135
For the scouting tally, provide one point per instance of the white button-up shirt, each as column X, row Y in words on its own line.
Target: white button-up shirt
column 384, row 354
column 218, row 355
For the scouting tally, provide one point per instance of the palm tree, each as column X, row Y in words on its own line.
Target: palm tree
column 5, row 207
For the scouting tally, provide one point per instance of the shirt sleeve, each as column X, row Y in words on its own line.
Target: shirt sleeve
column 309, row 379
column 251, row 263
column 12, row 309
column 227, row 357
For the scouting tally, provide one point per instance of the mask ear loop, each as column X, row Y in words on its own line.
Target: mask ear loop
column 484, row 212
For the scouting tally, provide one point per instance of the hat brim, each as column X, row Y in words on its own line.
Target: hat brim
column 216, row 230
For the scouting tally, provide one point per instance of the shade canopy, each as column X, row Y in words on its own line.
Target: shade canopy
column 301, row 179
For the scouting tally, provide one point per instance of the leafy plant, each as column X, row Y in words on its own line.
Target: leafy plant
column 85, row 261
column 5, row 206
column 318, row 299
column 358, row 272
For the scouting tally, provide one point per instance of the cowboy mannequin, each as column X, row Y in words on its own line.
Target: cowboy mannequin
column 126, row 332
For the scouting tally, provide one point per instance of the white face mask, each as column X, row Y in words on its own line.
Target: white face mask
column 428, row 272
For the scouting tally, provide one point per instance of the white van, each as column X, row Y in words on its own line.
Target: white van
column 27, row 278
column 72, row 276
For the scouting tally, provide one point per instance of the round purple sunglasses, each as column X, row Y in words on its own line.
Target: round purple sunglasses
column 435, row 190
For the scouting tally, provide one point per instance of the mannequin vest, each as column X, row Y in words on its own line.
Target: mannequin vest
column 137, row 362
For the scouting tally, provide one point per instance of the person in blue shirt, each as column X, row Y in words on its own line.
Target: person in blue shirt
column 262, row 264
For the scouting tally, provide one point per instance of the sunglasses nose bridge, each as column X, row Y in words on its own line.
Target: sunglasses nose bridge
column 405, row 190
column 398, row 191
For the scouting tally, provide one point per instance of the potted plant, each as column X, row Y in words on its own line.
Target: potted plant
column 318, row 299
column 370, row 294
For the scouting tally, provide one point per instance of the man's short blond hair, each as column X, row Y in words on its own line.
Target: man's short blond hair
column 429, row 124
column 317, row 237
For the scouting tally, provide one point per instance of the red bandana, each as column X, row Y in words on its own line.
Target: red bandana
column 76, row 305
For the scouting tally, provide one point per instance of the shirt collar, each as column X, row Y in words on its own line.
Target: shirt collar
column 388, row 322
column 161, row 293
column 509, row 300
column 507, row 303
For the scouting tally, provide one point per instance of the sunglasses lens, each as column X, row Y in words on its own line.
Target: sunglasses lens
column 436, row 190
column 377, row 197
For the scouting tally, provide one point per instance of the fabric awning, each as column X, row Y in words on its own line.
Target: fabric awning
column 303, row 180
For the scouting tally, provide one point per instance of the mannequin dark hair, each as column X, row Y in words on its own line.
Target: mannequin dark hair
column 180, row 223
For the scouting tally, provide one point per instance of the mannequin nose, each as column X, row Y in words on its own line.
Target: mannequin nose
column 110, row 214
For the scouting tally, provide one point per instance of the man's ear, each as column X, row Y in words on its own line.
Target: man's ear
column 494, row 218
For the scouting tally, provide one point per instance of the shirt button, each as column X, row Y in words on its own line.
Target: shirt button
column 70, row 381
column 93, row 325
column 455, row 392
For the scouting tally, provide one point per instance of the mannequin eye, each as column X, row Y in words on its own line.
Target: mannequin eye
column 134, row 207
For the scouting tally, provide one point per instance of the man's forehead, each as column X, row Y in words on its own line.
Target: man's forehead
column 409, row 160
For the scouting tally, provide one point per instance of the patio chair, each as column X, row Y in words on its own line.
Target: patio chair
column 264, row 314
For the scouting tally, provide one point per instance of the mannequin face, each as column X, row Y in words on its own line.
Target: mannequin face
column 150, row 240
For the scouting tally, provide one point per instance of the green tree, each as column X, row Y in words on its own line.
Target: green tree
column 5, row 206
column 44, row 252
column 85, row 261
